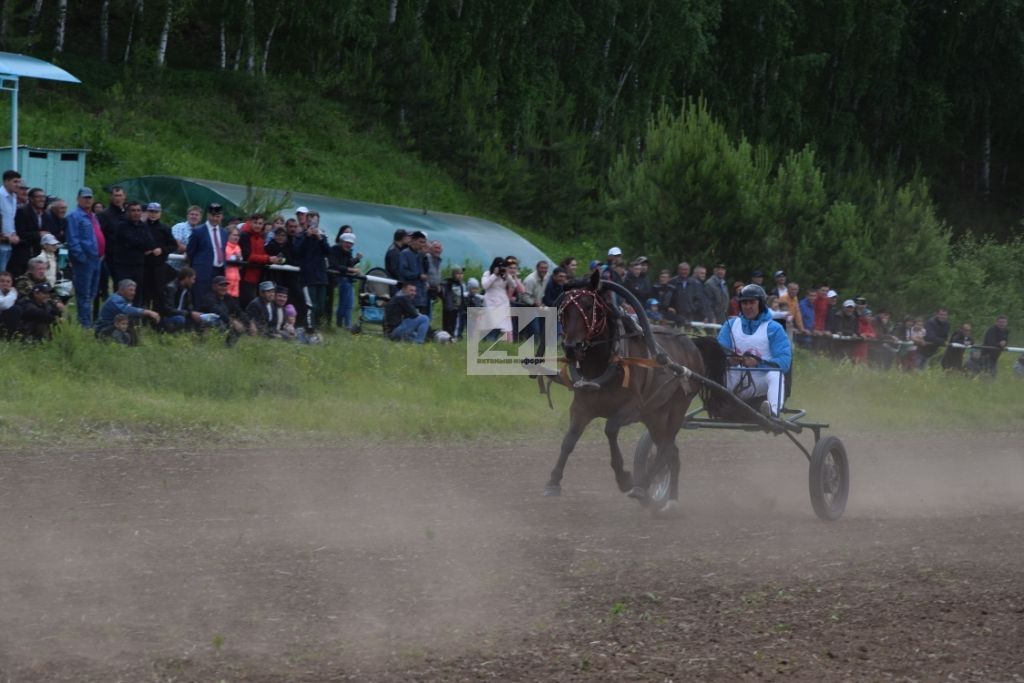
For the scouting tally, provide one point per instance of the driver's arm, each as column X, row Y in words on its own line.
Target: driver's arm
column 782, row 351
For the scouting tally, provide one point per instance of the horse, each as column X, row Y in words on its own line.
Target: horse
column 623, row 371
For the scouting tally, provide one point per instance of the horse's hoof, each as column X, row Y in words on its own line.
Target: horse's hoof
column 669, row 509
column 552, row 490
column 638, row 493
column 625, row 482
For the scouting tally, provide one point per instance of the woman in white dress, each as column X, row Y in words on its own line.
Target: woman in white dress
column 496, row 298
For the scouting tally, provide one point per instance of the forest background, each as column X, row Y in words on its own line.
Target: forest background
column 873, row 144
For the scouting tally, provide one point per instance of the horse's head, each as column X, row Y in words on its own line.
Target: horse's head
column 584, row 313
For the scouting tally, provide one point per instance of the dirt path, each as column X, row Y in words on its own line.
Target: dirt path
column 421, row 563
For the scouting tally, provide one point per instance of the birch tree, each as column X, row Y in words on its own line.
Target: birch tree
column 165, row 30
column 62, row 22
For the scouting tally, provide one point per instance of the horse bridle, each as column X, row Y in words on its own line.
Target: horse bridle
column 595, row 322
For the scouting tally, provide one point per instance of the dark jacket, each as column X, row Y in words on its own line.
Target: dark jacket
column 700, row 303
column 227, row 308
column 639, row 285
column 454, row 295
column 552, row 291
column 57, row 227
column 398, row 309
column 266, row 321
column 131, row 242
column 311, row 253
column 993, row 336
column 845, row 325
column 341, row 260
column 410, row 267
column 109, row 219
column 37, row 320
column 953, row 358
column 27, row 225
column 177, row 300
column 936, row 332
column 391, row 261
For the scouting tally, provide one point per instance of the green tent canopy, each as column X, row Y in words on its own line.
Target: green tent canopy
column 467, row 241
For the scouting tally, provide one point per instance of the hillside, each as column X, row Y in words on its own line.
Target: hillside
column 229, row 127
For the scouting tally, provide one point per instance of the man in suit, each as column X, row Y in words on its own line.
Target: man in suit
column 28, row 224
column 206, row 249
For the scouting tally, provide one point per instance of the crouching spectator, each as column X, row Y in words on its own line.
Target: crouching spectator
column 120, row 303
column 179, row 309
column 229, row 314
column 39, row 314
column 265, row 317
column 404, row 322
column 10, row 313
column 121, row 333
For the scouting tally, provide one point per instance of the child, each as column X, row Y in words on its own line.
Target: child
column 121, row 333
column 290, row 316
column 654, row 311
column 232, row 256
column 50, row 246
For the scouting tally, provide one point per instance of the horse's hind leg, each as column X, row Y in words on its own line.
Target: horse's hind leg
column 671, row 454
column 622, row 476
column 577, row 424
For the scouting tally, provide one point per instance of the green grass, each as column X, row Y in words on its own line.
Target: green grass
column 180, row 390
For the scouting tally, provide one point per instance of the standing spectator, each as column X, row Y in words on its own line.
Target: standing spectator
column 401, row 317
column 205, row 249
column 700, row 303
column 311, row 250
column 302, row 215
column 85, row 251
column 569, row 265
column 410, row 269
column 455, row 301
column 120, row 302
column 792, row 298
column 233, row 262
column 109, row 219
column 757, row 278
column 865, row 329
column 734, row 302
column 10, row 313
column 936, row 332
column 55, row 220
column 535, row 283
column 556, row 285
column 883, row 353
column 953, row 358
column 662, row 289
column 182, row 232
column 345, row 260
column 780, row 284
column 806, row 307
column 28, row 224
column 279, row 251
column 39, row 313
column 133, row 243
column 156, row 270
column 392, row 257
column 608, row 270
column 433, row 270
column 8, row 208
column 253, row 243
column 496, row 301
column 636, row 282
column 678, row 309
column 996, row 339
column 844, row 329
column 718, row 294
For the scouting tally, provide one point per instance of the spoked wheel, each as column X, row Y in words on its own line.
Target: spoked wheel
column 829, row 478
column 658, row 475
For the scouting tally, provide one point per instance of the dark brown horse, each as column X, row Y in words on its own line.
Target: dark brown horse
column 615, row 373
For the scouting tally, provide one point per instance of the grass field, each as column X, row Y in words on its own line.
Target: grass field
column 179, row 390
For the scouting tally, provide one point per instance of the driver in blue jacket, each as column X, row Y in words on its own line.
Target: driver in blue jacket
column 759, row 351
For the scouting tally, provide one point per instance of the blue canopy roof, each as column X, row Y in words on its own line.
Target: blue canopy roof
column 467, row 241
column 22, row 66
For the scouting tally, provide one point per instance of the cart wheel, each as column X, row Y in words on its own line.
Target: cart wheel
column 658, row 476
column 829, row 478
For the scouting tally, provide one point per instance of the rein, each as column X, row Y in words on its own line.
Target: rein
column 596, row 321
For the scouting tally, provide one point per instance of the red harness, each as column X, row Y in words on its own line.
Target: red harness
column 596, row 321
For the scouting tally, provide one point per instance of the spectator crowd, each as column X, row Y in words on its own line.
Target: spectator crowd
column 273, row 277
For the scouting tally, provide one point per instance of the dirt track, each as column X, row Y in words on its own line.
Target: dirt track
column 420, row 563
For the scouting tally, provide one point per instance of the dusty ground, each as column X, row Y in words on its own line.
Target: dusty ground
column 422, row 563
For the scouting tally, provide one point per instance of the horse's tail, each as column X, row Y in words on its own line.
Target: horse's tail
column 715, row 365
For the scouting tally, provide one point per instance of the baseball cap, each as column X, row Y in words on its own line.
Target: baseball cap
column 220, row 280
column 473, row 283
column 214, row 207
column 302, row 209
column 42, row 287
column 832, row 294
column 85, row 192
column 641, row 259
column 779, row 273
column 757, row 273
column 615, row 251
column 348, row 237
column 154, row 206
column 848, row 303
column 50, row 239
column 281, row 289
column 267, row 286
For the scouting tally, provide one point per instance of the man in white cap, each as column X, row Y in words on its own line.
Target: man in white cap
column 343, row 260
column 301, row 215
column 608, row 270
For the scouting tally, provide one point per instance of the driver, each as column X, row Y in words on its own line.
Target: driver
column 754, row 340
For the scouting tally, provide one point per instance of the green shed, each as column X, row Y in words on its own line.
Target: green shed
column 61, row 172
column 467, row 240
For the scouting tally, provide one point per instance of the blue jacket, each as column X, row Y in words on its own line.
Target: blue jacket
column 778, row 342
column 81, row 239
column 312, row 254
column 410, row 267
column 113, row 306
column 807, row 313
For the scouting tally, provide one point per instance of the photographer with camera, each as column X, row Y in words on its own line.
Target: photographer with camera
column 496, row 284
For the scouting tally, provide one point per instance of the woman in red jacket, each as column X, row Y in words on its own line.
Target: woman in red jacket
column 255, row 256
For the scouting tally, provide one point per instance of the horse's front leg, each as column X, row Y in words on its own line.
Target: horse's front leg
column 670, row 452
column 577, row 423
column 622, row 476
